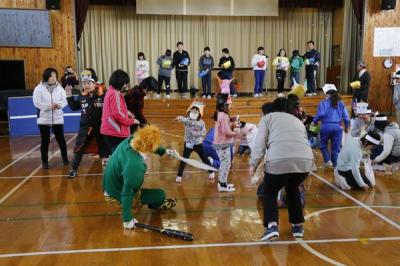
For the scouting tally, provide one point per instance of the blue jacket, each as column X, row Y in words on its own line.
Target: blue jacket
column 327, row 114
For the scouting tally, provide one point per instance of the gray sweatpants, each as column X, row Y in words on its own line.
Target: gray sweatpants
column 225, row 158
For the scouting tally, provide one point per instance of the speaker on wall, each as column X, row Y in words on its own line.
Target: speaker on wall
column 53, row 4
column 388, row 4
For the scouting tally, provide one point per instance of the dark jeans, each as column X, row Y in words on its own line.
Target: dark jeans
column 274, row 183
column 280, row 77
column 294, row 76
column 206, row 84
column 83, row 141
column 58, row 131
column 181, row 79
column 311, row 72
column 112, row 142
column 167, row 80
column 186, row 154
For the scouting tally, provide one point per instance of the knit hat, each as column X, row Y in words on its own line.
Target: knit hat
column 362, row 109
column 86, row 75
column 328, row 87
column 199, row 105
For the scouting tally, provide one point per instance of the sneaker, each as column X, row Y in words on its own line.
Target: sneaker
column 235, row 95
column 104, row 162
column 158, row 96
column 168, row 96
column 255, row 95
column 270, row 234
column 314, row 94
column 178, row 179
column 328, row 164
column 280, row 95
column 204, row 96
column 145, row 97
column 226, row 188
column 72, row 173
column 209, row 97
column 211, row 160
column 45, row 165
column 309, row 94
column 379, row 167
column 211, row 176
column 297, row 231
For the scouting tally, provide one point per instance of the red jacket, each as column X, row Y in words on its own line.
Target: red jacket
column 115, row 121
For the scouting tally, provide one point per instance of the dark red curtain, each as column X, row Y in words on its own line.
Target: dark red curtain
column 358, row 6
column 81, row 8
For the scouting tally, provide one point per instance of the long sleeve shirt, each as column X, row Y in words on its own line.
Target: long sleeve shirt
column 259, row 62
column 223, row 134
column 166, row 65
column 327, row 114
column 195, row 130
column 223, row 60
column 350, row 159
column 91, row 106
column 313, row 57
column 142, row 69
column 391, row 142
column 206, row 63
column 177, row 59
column 124, row 175
column 281, row 63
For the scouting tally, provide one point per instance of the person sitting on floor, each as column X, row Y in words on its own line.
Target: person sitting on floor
column 364, row 120
column 347, row 173
column 248, row 132
column 389, row 152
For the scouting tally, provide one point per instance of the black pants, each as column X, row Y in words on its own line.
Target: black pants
column 186, row 154
column 83, row 140
column 280, row 77
column 206, row 84
column 112, row 142
column 58, row 131
column 360, row 95
column 311, row 72
column 348, row 175
column 181, row 78
column 291, row 182
column 161, row 80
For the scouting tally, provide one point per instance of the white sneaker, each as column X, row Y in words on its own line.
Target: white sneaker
column 235, row 95
column 211, row 160
column 226, row 189
column 255, row 95
column 168, row 96
column 309, row 94
column 378, row 167
column 158, row 96
column 204, row 96
column 145, row 97
column 314, row 94
column 178, row 179
column 280, row 95
column 328, row 164
column 209, row 97
column 211, row 176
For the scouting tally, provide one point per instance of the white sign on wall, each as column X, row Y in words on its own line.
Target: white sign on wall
column 387, row 42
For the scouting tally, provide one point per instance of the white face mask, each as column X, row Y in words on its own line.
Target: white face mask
column 194, row 115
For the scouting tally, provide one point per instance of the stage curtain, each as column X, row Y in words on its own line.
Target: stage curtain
column 351, row 47
column 113, row 36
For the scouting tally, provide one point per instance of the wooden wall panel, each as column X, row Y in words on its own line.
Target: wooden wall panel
column 380, row 91
column 37, row 59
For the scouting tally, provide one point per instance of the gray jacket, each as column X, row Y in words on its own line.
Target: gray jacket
column 166, row 65
column 285, row 139
column 358, row 125
column 206, row 62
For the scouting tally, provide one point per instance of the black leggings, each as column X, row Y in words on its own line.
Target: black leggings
column 274, row 183
column 186, row 154
column 280, row 77
column 58, row 131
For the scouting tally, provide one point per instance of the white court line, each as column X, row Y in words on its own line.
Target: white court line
column 215, row 245
column 383, row 217
column 21, row 157
column 100, row 174
column 26, row 179
column 317, row 213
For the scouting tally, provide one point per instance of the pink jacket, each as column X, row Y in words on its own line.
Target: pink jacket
column 115, row 121
column 223, row 133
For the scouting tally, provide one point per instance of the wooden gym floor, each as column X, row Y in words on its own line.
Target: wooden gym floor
column 48, row 219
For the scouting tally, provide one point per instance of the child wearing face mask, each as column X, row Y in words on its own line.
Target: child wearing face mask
column 195, row 131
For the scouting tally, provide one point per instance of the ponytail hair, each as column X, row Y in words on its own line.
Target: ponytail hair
column 334, row 97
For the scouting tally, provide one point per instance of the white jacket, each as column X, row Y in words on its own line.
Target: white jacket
column 43, row 99
column 142, row 69
column 257, row 58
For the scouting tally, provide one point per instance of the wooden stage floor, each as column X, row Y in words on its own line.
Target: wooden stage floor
column 48, row 219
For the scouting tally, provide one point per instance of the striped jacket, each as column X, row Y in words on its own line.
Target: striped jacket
column 115, row 121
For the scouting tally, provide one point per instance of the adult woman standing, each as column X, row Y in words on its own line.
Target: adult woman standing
column 49, row 98
column 289, row 159
column 281, row 63
column 116, row 119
